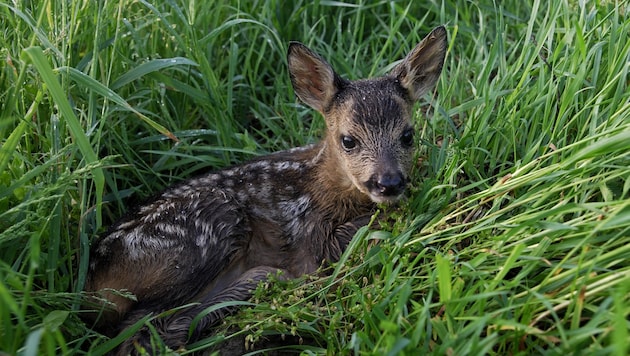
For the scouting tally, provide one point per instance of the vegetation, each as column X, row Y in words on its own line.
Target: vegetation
column 515, row 238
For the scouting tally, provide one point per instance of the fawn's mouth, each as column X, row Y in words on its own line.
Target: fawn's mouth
column 385, row 199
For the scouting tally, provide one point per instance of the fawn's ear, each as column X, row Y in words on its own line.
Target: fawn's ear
column 420, row 69
column 313, row 79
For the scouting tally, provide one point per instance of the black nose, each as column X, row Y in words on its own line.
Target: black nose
column 388, row 184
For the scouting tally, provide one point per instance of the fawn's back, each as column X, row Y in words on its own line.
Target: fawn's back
column 212, row 238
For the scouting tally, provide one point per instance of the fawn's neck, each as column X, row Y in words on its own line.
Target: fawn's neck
column 333, row 191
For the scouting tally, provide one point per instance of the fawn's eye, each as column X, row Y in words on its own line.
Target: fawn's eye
column 407, row 138
column 348, row 142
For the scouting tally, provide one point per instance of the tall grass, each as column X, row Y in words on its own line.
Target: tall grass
column 515, row 238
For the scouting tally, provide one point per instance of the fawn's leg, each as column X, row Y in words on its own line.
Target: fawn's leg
column 177, row 327
column 174, row 330
column 343, row 235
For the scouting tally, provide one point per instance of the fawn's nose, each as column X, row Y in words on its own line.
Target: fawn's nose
column 390, row 184
column 387, row 185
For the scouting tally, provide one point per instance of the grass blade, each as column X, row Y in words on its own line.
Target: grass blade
column 149, row 67
column 40, row 62
column 90, row 83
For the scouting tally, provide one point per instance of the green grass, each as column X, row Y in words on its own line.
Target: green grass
column 515, row 238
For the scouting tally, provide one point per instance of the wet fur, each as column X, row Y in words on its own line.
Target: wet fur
column 212, row 238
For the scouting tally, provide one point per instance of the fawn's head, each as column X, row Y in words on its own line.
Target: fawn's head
column 370, row 132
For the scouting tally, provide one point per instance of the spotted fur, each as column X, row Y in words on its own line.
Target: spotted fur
column 212, row 238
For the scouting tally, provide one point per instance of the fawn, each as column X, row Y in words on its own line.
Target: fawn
column 212, row 238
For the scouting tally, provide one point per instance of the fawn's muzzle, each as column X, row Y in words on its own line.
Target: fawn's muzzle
column 387, row 186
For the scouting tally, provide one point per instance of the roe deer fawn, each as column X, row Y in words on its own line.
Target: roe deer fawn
column 212, row 238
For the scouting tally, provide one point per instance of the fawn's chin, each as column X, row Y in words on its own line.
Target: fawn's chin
column 385, row 199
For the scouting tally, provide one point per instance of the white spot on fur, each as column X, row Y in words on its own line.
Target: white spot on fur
column 300, row 148
column 171, row 229
column 294, row 212
column 264, row 165
column 287, row 165
column 139, row 244
column 294, row 208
